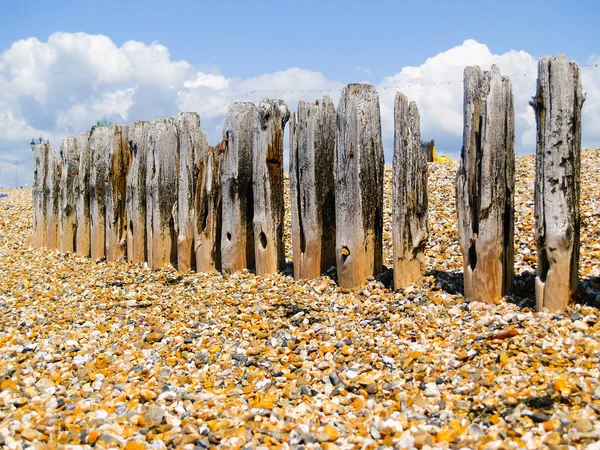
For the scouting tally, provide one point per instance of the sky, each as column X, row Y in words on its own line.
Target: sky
column 66, row 64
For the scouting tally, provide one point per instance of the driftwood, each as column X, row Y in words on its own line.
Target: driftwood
column 208, row 213
column 135, row 200
column 100, row 143
column 67, row 225
column 267, row 182
column 237, row 238
column 312, row 148
column 485, row 185
column 82, row 195
column 192, row 145
column 40, row 174
column 409, row 195
column 557, row 105
column 359, row 164
column 116, row 187
column 54, row 171
column 162, row 192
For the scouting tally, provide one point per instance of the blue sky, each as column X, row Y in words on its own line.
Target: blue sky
column 130, row 60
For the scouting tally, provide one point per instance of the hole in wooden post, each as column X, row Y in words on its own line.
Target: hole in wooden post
column 345, row 253
column 472, row 256
column 263, row 239
column 228, row 236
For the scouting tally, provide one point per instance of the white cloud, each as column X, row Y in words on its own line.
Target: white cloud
column 62, row 86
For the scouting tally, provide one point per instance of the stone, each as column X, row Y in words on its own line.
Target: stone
column 237, row 234
column 358, row 171
column 409, row 191
column 312, row 148
column 52, row 193
column 135, row 197
column 485, row 185
column 192, row 147
column 557, row 106
column 161, row 193
column 100, row 142
column 40, row 173
column 267, row 186
column 118, row 160
column 82, row 196
column 207, row 229
column 67, row 225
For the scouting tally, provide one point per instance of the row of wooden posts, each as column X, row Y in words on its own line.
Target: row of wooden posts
column 157, row 192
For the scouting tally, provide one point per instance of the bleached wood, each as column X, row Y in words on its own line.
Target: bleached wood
column 359, row 164
column 100, row 142
column 67, row 226
column 409, row 195
column 312, row 148
column 237, row 237
column 40, row 174
column 52, row 199
column 267, row 186
column 557, row 106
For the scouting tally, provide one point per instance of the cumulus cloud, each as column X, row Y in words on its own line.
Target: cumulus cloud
column 64, row 85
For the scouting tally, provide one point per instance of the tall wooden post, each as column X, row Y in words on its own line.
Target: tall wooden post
column 68, row 218
column 135, row 200
column 267, row 182
column 359, row 164
column 409, row 194
column 82, row 196
column 40, row 173
column 52, row 199
column 116, row 187
column 312, row 148
column 485, row 185
column 162, row 192
column 237, row 237
column 557, row 106
column 100, row 142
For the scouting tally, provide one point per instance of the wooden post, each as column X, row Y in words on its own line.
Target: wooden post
column 100, row 142
column 557, row 106
column 116, row 187
column 208, row 211
column 192, row 144
column 409, row 194
column 359, row 165
column 312, row 148
column 40, row 173
column 82, row 196
column 267, row 185
column 52, row 199
column 135, row 199
column 68, row 220
column 162, row 192
column 237, row 238
column 485, row 185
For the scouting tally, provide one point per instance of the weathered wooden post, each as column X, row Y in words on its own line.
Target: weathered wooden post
column 359, row 164
column 135, row 200
column 312, row 149
column 409, row 194
column 67, row 226
column 100, row 142
column 191, row 142
column 162, row 192
column 267, row 185
column 116, row 187
column 557, row 106
column 208, row 213
column 52, row 199
column 82, row 196
column 237, row 237
column 40, row 173
column 485, row 185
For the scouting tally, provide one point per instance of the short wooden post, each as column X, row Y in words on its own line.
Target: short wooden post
column 485, row 185
column 557, row 106
column 116, row 187
column 359, row 164
column 67, row 217
column 312, row 148
column 237, row 237
column 267, row 182
column 135, row 200
column 162, row 192
column 409, row 195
